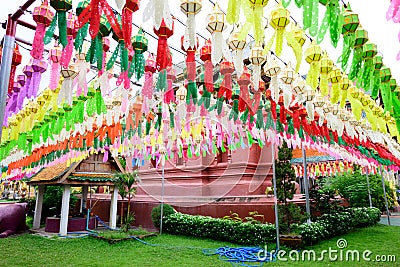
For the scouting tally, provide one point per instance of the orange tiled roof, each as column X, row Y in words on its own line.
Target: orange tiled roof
column 51, row 173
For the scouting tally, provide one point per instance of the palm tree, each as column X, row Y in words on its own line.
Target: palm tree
column 126, row 184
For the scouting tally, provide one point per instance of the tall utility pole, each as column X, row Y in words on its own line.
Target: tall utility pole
column 7, row 53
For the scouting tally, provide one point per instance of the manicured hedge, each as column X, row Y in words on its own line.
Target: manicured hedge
column 219, row 229
column 325, row 226
column 330, row 225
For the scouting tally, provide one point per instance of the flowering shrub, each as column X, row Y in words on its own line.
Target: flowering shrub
column 365, row 216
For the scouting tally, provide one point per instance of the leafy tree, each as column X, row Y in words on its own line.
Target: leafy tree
column 126, row 184
column 285, row 186
column 354, row 188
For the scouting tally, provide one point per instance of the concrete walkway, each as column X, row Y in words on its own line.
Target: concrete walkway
column 394, row 219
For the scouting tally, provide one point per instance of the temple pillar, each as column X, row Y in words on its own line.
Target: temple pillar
column 84, row 198
column 113, row 207
column 38, row 207
column 65, row 210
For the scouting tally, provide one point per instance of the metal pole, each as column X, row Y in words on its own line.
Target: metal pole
column 303, row 151
column 384, row 194
column 162, row 198
column 369, row 190
column 7, row 53
column 275, row 192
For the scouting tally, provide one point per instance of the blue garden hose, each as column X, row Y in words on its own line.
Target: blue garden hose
column 242, row 256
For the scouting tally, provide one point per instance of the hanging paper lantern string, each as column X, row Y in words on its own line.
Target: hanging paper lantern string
column 139, row 43
column 280, row 18
column 313, row 57
column 325, row 68
column 310, row 16
column 82, row 32
column 257, row 59
column 360, row 39
column 164, row 57
column 237, row 47
column 349, row 26
column 190, row 8
column 82, row 68
column 124, row 60
column 295, row 39
column 331, row 21
column 54, row 59
column 65, row 93
column 130, row 7
column 244, row 81
column 376, row 79
column 385, row 88
column 38, row 66
column 226, row 68
column 366, row 74
column 62, row 6
column 254, row 12
column 99, row 45
column 147, row 89
column 16, row 60
column 287, row 77
column 272, row 69
column 169, row 94
column 216, row 25
column 43, row 16
column 67, row 51
column 344, row 85
column 233, row 12
column 205, row 56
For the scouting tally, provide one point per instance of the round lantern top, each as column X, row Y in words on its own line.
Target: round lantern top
column 256, row 55
column 234, row 42
column 259, row 2
column 280, row 17
column 81, row 6
column 55, row 54
column 139, row 41
column 17, row 57
column 226, row 67
column 105, row 27
column 326, row 63
column 216, row 20
column 151, row 65
column 190, row 6
column 313, row 52
column 61, row 5
column 164, row 30
column 181, row 93
column 361, row 37
column 350, row 21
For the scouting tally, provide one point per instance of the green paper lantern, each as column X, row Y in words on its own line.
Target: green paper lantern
column 139, row 41
column 60, row 112
column 67, row 107
column 91, row 92
column 369, row 50
column 393, row 84
column 105, row 27
column 350, row 21
column 61, row 5
column 361, row 37
column 81, row 6
column 378, row 63
column 114, row 36
column 53, row 115
column 385, row 74
column 323, row 2
column 47, row 118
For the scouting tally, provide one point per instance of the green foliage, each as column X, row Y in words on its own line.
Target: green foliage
column 126, row 184
column 123, row 234
column 285, row 175
column 323, row 199
column 219, row 229
column 354, row 188
column 52, row 200
column 288, row 215
column 330, row 225
column 253, row 217
column 156, row 213
column 285, row 189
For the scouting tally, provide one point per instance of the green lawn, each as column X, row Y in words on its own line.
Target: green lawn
column 29, row 250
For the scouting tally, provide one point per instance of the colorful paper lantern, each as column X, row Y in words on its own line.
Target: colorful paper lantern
column 237, row 47
column 62, row 6
column 205, row 56
column 43, row 16
column 191, row 8
column 216, row 25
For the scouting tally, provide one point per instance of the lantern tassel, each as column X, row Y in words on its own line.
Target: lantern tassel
column 238, row 61
column 67, row 53
column 216, row 51
column 310, row 109
column 38, row 45
column 62, row 26
column 208, row 76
